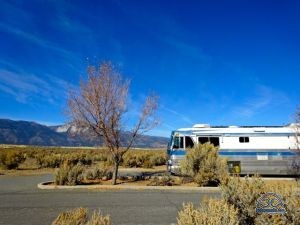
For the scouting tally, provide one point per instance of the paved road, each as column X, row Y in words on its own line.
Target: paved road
column 22, row 203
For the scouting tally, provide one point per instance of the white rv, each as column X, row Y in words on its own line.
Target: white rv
column 248, row 149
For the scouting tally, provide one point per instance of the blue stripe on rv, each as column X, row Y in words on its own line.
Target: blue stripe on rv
column 235, row 153
column 176, row 152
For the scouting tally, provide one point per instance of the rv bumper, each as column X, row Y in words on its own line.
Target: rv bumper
column 174, row 169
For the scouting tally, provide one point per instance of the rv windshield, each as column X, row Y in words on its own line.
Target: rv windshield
column 176, row 142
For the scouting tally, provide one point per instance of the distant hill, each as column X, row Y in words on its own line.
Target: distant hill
column 31, row 133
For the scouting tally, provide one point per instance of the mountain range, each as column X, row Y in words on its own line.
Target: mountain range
column 32, row 133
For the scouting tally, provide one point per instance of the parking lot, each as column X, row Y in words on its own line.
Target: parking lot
column 22, row 203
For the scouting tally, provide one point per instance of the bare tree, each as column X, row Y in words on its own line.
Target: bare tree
column 100, row 105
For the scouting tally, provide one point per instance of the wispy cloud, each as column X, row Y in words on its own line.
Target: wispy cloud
column 21, row 22
column 25, row 86
column 264, row 98
column 178, row 115
column 36, row 40
column 20, row 97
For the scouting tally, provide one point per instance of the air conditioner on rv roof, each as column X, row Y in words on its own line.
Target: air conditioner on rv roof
column 199, row 125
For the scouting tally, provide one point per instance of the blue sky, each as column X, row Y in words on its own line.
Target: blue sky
column 232, row 62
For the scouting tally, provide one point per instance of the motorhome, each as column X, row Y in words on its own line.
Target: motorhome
column 248, row 149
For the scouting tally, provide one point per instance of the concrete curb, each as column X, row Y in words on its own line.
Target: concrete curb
column 46, row 186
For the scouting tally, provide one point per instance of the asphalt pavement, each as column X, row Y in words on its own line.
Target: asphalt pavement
column 22, row 203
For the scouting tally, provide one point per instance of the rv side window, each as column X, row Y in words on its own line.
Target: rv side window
column 189, row 142
column 214, row 141
column 244, row 139
column 202, row 140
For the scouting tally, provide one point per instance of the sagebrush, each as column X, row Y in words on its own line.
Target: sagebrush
column 79, row 216
column 101, row 171
column 244, row 193
column 238, row 201
column 69, row 175
column 204, row 164
column 143, row 158
column 11, row 159
column 211, row 212
column 53, row 157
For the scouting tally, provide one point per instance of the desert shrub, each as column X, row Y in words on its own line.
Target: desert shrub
column 54, row 160
column 241, row 195
column 144, row 158
column 130, row 161
column 102, row 156
column 99, row 219
column 204, row 165
column 244, row 193
column 54, row 157
column 291, row 199
column 98, row 172
column 49, row 160
column 79, row 216
column 134, row 159
column 69, row 175
column 78, row 158
column 212, row 212
column 148, row 163
column 158, row 159
column 11, row 159
column 86, row 160
column 162, row 181
column 73, row 217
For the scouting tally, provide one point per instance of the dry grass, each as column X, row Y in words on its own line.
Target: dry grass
column 73, row 217
column 79, row 216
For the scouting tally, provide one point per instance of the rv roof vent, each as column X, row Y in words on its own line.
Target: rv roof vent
column 199, row 125
column 293, row 125
column 233, row 126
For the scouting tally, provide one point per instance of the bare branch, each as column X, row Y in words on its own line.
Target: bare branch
column 100, row 104
column 147, row 119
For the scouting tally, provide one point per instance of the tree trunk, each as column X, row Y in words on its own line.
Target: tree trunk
column 115, row 173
